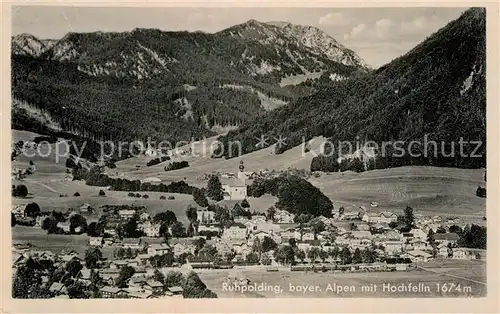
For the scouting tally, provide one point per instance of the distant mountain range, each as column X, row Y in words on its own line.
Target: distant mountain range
column 437, row 91
column 173, row 85
column 274, row 79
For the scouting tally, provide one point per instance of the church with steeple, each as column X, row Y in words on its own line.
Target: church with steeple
column 236, row 188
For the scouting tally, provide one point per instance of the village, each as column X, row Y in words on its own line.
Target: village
column 147, row 252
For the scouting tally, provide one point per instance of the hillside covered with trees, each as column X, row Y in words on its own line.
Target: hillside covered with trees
column 436, row 91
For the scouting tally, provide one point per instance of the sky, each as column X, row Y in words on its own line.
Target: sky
column 378, row 35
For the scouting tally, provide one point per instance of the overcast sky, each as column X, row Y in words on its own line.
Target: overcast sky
column 378, row 35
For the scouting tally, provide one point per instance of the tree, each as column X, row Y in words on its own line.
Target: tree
column 268, row 244
column 92, row 257
column 341, row 210
column 124, row 275
column 368, row 255
column 317, row 226
column 158, row 276
column 271, row 211
column 12, row 220
column 409, row 218
column 430, row 238
column 178, row 230
column 252, row 258
column 441, row 229
column 257, row 247
column 292, row 242
column 102, row 193
column 195, row 288
column 73, row 267
column 214, row 188
column 199, row 197
column 323, row 255
column 455, row 229
column 244, row 203
column 265, row 260
column 130, row 228
column 32, row 210
column 76, row 194
column 77, row 290
column 285, row 255
column 174, row 278
column 221, row 214
column 300, row 254
column 77, row 221
column 50, row 224
column 199, row 243
column 191, row 213
column 20, row 191
column 345, row 256
column 119, row 253
column 313, row 253
column 356, row 257
column 168, row 217
column 393, row 224
column 27, row 282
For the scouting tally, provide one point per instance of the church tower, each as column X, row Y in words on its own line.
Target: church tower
column 241, row 173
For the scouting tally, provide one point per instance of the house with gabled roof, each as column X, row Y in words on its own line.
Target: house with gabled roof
column 445, row 238
column 133, row 243
column 108, row 292
column 418, row 256
column 158, row 249
column 235, row 231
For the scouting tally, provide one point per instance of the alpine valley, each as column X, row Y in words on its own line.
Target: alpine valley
column 254, row 79
column 170, row 85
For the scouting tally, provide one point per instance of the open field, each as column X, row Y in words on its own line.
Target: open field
column 261, row 159
column 429, row 190
column 283, row 279
column 54, row 243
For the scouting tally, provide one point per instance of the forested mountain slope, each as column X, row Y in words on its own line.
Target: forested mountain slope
column 172, row 85
column 437, row 90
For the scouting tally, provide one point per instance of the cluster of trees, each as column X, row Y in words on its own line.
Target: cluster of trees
column 95, row 177
column 481, row 192
column 295, row 195
column 331, row 164
column 176, row 165
column 157, row 161
column 19, row 190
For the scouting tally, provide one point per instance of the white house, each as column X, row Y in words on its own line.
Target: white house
column 235, row 188
column 158, row 249
column 95, row 241
column 126, row 213
column 236, row 231
column 392, row 246
column 418, row 256
column 384, row 217
column 209, row 228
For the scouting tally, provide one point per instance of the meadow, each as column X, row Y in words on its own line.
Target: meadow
column 429, row 190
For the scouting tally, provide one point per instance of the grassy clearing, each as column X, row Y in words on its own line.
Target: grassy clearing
column 429, row 190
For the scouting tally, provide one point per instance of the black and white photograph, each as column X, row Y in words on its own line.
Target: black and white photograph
column 257, row 152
